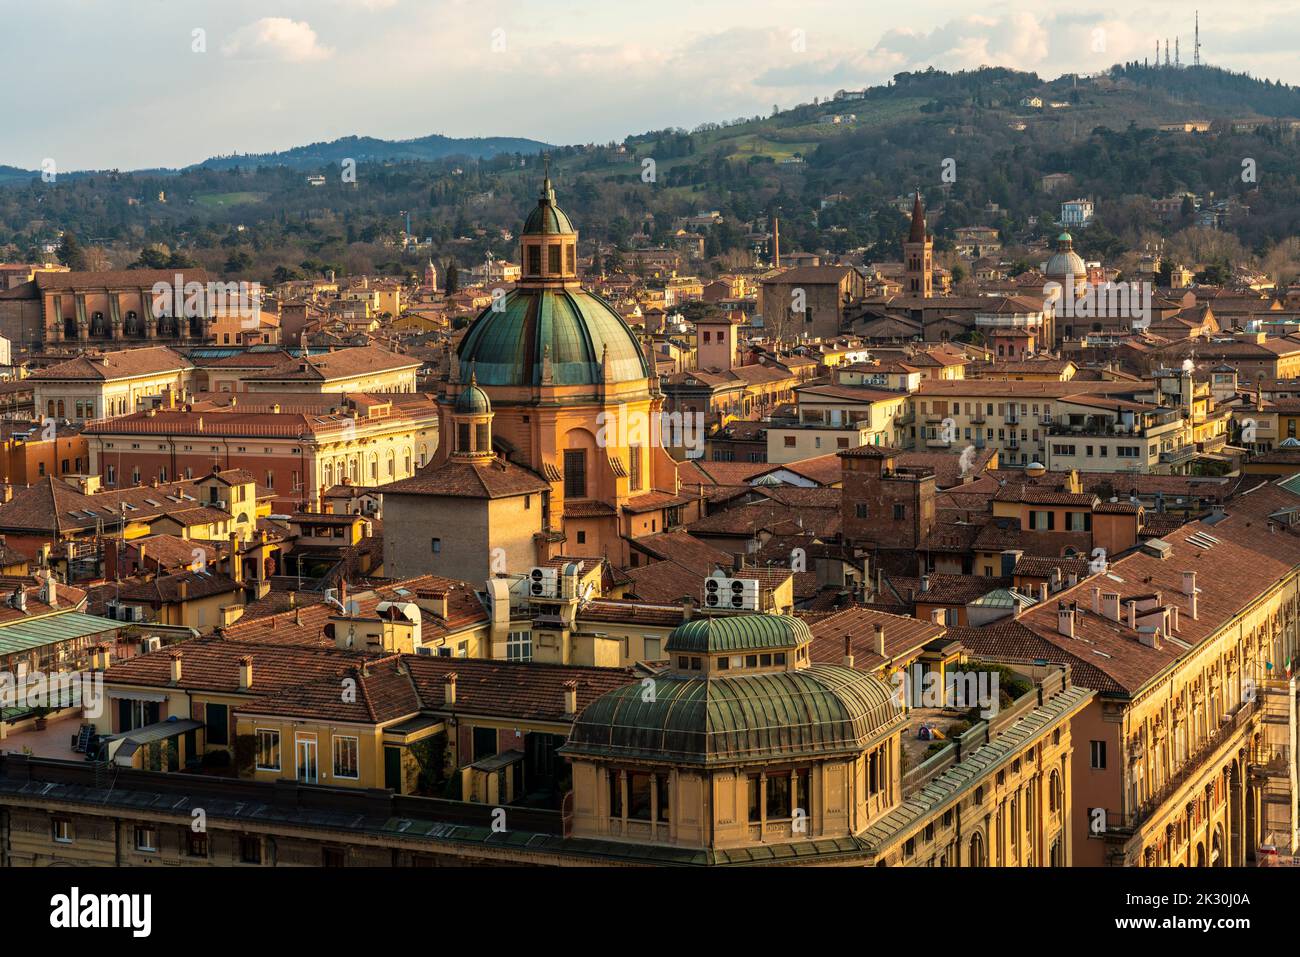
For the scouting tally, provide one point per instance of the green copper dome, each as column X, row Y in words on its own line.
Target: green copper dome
column 547, row 219
column 819, row 710
column 738, row 633
column 473, row 401
column 509, row 340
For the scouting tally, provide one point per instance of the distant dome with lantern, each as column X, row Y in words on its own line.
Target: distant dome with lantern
column 1065, row 261
column 548, row 319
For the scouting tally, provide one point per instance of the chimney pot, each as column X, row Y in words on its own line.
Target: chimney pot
column 449, row 689
column 570, row 698
column 1065, row 619
column 246, row 672
column 848, row 651
column 176, row 667
column 880, row 640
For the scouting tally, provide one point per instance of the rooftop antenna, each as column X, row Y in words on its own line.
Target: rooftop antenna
column 1166, row 51
column 1177, row 64
column 1196, row 47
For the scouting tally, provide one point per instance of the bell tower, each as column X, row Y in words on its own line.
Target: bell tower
column 918, row 255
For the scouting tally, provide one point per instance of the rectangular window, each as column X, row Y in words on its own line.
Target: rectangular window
column 638, row 796
column 755, row 800
column 652, row 648
column 268, row 750
column 900, row 512
column 1098, row 754
column 778, row 796
column 435, row 545
column 634, row 467
column 346, row 757
column 534, row 260
column 250, row 849
column 334, row 857
column 861, row 510
column 146, row 837
column 196, row 843
column 519, row 646
column 575, row 473
column 553, row 260
column 61, row 830
column 218, row 722
column 615, row 794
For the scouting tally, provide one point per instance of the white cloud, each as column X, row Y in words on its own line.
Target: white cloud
column 276, row 38
column 1018, row 39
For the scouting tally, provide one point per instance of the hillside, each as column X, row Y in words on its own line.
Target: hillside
column 833, row 170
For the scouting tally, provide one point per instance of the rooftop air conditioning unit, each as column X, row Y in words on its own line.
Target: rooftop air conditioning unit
column 543, row 583
column 738, row 594
column 152, row 644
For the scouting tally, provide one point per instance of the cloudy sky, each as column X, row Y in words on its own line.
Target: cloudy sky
column 137, row 83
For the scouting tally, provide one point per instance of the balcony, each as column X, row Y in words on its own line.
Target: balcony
column 1177, row 456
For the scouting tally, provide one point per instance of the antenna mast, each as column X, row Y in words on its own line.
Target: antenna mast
column 1196, row 48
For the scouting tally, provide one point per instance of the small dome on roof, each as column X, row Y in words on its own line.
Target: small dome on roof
column 819, row 710
column 547, row 219
column 738, row 633
column 473, row 401
column 1065, row 261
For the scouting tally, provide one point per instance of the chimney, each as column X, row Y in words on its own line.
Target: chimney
column 936, row 615
column 245, row 672
column 848, row 651
column 1065, row 619
column 185, row 590
column 737, row 561
column 880, row 640
column 438, row 600
column 1096, row 601
column 1042, row 591
column 50, row 595
column 236, row 571
column 1110, row 605
column 1173, row 613
column 140, row 562
column 688, row 608
column 1190, row 590
column 570, row 698
column 449, row 689
column 20, row 598
column 293, row 599
column 1056, row 579
column 1132, row 607
column 1072, row 579
column 925, row 583
column 176, row 667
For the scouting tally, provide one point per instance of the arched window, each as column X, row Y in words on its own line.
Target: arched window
column 49, row 408
column 1054, row 792
column 977, row 850
column 60, row 408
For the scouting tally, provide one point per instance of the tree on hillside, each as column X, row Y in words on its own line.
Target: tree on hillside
column 70, row 252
